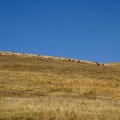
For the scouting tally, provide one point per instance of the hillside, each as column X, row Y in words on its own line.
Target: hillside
column 52, row 88
column 113, row 64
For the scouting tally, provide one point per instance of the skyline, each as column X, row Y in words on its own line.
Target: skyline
column 85, row 30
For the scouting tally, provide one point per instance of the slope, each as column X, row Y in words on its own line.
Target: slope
column 38, row 87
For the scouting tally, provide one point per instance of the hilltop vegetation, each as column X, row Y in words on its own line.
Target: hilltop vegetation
column 38, row 87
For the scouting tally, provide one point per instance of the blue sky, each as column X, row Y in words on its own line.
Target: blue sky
column 81, row 29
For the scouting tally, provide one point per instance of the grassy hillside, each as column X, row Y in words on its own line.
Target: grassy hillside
column 41, row 88
column 113, row 64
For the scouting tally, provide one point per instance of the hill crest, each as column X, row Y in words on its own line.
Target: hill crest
column 49, row 57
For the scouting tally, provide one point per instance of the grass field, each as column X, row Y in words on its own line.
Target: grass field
column 35, row 88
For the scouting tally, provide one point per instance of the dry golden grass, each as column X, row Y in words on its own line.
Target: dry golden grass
column 113, row 64
column 46, row 89
column 58, row 108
